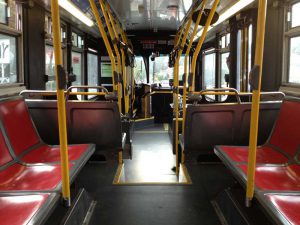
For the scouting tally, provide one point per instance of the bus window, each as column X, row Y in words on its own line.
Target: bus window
column 296, row 15
column 224, row 69
column 160, row 72
column 140, row 75
column 50, row 65
column 92, row 60
column 77, row 67
column 8, row 59
column 294, row 65
column 244, row 58
column 209, row 65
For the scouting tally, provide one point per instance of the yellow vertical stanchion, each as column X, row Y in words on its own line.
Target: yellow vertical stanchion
column 176, row 88
column 61, row 104
column 202, row 38
column 107, row 45
column 126, row 99
column 125, row 40
column 256, row 75
column 187, row 53
column 113, row 38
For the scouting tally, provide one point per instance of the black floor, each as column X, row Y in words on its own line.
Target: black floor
column 157, row 204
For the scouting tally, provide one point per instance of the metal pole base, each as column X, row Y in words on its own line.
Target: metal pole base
column 248, row 202
column 66, row 202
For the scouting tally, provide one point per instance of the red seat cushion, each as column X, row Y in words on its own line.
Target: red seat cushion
column 48, row 154
column 18, row 125
column 264, row 154
column 276, row 178
column 286, row 133
column 19, row 210
column 30, row 178
column 287, row 205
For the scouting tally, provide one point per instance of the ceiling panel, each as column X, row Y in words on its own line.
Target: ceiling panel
column 157, row 14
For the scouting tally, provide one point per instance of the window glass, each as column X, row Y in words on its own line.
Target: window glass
column 296, row 15
column 223, row 42
column 224, row 69
column 92, row 69
column 3, row 6
column 8, row 59
column 140, row 75
column 227, row 39
column 294, row 66
column 77, row 67
column 74, row 39
column 160, row 72
column 92, row 72
column 209, row 71
column 106, row 69
column 249, row 53
column 50, row 66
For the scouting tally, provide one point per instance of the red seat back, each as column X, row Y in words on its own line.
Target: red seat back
column 286, row 133
column 18, row 124
column 5, row 156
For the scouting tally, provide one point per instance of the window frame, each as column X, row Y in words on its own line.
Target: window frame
column 289, row 33
column 19, row 52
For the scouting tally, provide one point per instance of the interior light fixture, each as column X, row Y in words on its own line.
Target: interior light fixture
column 76, row 12
column 228, row 13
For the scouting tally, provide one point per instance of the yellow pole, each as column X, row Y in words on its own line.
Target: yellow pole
column 61, row 107
column 256, row 76
column 107, row 45
column 125, row 39
column 187, row 53
column 176, row 84
column 200, row 43
column 112, row 36
column 126, row 97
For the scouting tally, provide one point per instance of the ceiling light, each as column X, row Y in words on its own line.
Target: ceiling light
column 233, row 10
column 172, row 7
column 76, row 12
column 228, row 13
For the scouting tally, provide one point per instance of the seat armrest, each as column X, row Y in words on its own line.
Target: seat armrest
column 123, row 140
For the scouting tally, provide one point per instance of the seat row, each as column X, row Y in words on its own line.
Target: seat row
column 277, row 173
column 30, row 170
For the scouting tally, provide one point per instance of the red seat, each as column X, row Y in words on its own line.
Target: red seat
column 276, row 178
column 18, row 178
column 25, row 209
column 48, row 154
column 283, row 142
column 264, row 154
column 288, row 205
column 24, row 139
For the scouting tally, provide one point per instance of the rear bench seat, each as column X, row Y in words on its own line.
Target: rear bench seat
column 21, row 209
column 226, row 124
column 277, row 186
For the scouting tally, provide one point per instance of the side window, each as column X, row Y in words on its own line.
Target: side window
column 292, row 47
column 3, row 11
column 140, row 75
column 8, row 59
column 224, row 60
column 209, row 69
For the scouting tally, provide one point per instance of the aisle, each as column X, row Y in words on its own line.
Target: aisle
column 152, row 160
